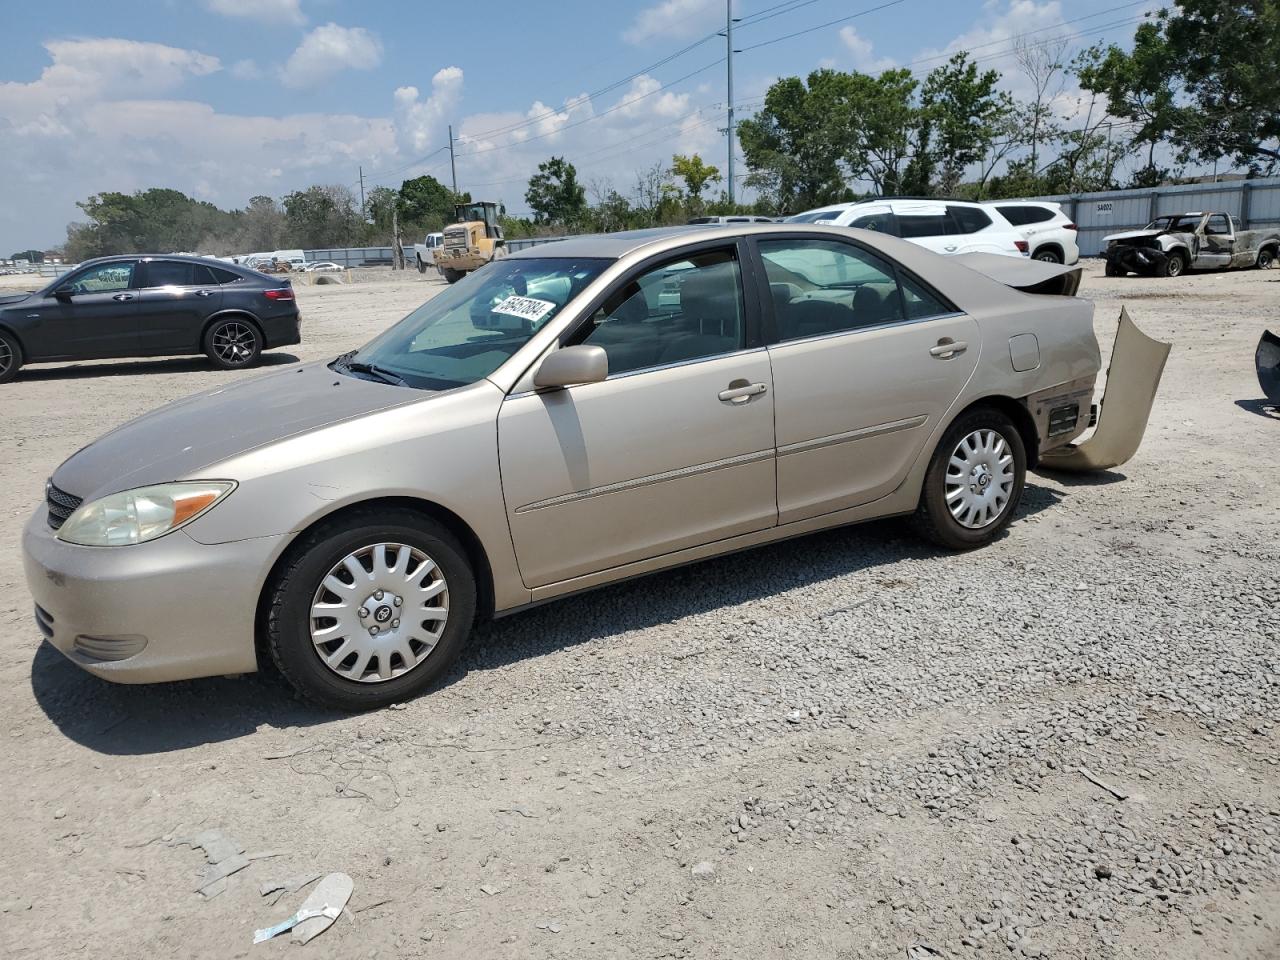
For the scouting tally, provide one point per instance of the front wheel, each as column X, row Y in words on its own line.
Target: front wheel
column 10, row 357
column 371, row 609
column 422, row 267
column 1174, row 265
column 974, row 482
column 233, row 343
column 1114, row 271
column 452, row 276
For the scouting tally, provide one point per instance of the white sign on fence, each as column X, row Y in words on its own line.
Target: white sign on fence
column 1104, row 206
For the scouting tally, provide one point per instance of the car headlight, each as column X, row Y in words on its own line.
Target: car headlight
column 136, row 516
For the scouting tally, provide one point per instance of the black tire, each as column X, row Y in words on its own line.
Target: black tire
column 933, row 520
column 1266, row 258
column 291, row 593
column 1114, row 271
column 422, row 267
column 1048, row 255
column 233, row 343
column 10, row 357
column 452, row 276
column 1174, row 265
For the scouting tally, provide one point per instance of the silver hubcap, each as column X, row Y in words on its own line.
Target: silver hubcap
column 379, row 612
column 979, row 479
column 233, row 343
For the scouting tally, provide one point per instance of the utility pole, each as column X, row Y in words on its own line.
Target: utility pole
column 364, row 214
column 397, row 248
column 728, row 36
column 452, row 166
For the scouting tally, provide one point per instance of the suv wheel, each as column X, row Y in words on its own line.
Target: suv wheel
column 10, row 357
column 974, row 481
column 1048, row 255
column 371, row 609
column 233, row 343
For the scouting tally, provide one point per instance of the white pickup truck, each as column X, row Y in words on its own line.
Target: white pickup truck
column 1170, row 245
column 425, row 253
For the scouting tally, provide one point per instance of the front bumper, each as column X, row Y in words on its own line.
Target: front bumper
column 171, row 609
column 1136, row 259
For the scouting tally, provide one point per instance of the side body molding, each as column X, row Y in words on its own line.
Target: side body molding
column 1137, row 363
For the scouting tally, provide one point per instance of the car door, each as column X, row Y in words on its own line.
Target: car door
column 175, row 299
column 90, row 314
column 1217, row 242
column 866, row 360
column 673, row 450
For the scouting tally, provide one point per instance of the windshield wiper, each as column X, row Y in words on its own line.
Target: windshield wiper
column 386, row 376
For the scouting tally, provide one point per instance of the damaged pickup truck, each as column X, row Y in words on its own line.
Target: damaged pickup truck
column 1169, row 246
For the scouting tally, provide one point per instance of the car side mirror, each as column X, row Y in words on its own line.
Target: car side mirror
column 63, row 294
column 569, row 366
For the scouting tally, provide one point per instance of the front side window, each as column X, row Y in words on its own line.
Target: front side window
column 471, row 329
column 823, row 286
column 105, row 278
column 1218, row 225
column 682, row 310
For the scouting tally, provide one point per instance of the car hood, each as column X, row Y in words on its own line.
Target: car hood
column 179, row 440
column 1132, row 235
column 10, row 298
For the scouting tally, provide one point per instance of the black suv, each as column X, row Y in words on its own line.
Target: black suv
column 149, row 306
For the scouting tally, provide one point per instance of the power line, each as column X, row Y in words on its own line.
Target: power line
column 820, row 26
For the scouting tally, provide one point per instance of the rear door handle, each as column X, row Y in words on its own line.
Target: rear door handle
column 123, row 296
column 948, row 348
column 742, row 394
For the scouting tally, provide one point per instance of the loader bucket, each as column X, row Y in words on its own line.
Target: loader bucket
column 1137, row 363
column 1267, row 360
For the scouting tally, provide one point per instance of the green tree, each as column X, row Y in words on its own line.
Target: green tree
column 322, row 216
column 962, row 115
column 426, row 204
column 1202, row 76
column 35, row 256
column 695, row 173
column 262, row 226
column 555, row 195
column 158, row 220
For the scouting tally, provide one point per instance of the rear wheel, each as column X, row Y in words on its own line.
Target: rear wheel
column 371, row 609
column 974, row 481
column 1048, row 255
column 1266, row 258
column 233, row 343
column 10, row 357
column 1174, row 265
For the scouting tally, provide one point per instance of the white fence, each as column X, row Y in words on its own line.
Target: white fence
column 1254, row 203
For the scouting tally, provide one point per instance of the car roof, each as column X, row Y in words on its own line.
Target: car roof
column 183, row 257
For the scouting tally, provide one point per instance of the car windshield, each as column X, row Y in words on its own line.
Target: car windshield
column 1175, row 223
column 812, row 216
column 469, row 330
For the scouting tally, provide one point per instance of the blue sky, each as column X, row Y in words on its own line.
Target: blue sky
column 225, row 99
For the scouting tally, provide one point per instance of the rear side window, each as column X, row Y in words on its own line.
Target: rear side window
column 919, row 301
column 878, row 222
column 170, row 273
column 1020, row 216
column 820, row 287
column 969, row 219
column 925, row 225
column 223, row 276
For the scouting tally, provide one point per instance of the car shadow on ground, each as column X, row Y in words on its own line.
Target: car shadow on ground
column 157, row 718
column 1090, row 478
column 133, row 368
column 1262, row 407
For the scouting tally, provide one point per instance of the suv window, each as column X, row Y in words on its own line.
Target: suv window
column 221, row 276
column 682, row 310
column 874, row 221
column 924, row 225
column 105, row 278
column 175, row 273
column 1021, row 216
column 824, row 286
column 969, row 219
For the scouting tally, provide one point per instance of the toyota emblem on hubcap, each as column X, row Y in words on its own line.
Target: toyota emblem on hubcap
column 382, row 614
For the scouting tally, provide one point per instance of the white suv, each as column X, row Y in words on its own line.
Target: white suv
column 1049, row 231
column 948, row 227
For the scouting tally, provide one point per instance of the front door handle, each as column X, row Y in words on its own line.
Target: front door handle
column 950, row 249
column 743, row 393
column 948, row 348
column 204, row 293
column 123, row 296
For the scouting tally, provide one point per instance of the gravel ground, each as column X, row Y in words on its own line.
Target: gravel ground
column 850, row 745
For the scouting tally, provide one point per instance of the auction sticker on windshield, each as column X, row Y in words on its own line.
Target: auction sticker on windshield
column 526, row 308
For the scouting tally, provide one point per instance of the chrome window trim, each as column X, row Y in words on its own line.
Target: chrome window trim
column 877, row 326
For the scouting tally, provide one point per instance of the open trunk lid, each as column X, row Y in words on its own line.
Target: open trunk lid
column 1029, row 276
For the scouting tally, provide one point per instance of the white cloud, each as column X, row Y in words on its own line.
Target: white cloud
column 674, row 19
column 266, row 11
column 245, row 70
column 328, row 50
column 421, row 123
column 860, row 49
column 642, row 98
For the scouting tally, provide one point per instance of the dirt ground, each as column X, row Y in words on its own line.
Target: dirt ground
column 849, row 745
